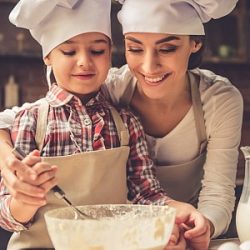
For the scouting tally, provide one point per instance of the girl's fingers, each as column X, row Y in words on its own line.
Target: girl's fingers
column 43, row 167
column 47, row 186
column 35, row 153
column 32, row 158
column 14, row 165
column 46, row 173
column 31, row 201
column 15, row 186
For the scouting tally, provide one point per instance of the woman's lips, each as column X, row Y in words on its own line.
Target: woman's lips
column 156, row 80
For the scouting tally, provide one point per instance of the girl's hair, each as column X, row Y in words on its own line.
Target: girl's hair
column 196, row 58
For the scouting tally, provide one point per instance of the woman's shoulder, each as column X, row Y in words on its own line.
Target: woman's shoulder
column 30, row 109
column 220, row 98
column 120, row 83
column 212, row 84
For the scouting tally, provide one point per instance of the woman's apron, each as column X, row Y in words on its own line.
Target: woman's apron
column 97, row 177
column 183, row 181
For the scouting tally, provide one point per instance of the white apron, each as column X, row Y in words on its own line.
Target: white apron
column 183, row 181
column 97, row 177
column 172, row 177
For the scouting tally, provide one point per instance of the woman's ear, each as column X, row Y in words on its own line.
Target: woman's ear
column 47, row 61
column 197, row 46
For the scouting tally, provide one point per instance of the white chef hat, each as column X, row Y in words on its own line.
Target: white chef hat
column 52, row 22
column 180, row 17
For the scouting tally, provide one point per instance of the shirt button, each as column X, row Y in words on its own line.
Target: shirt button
column 87, row 121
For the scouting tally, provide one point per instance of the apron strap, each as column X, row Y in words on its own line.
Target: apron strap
column 41, row 125
column 198, row 113
column 42, row 119
column 121, row 129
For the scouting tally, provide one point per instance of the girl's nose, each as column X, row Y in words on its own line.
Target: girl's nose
column 84, row 60
column 150, row 62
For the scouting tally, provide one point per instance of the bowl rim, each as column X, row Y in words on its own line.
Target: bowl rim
column 49, row 213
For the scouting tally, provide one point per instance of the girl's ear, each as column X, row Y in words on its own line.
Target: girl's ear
column 47, row 61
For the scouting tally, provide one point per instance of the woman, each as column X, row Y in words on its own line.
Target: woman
column 192, row 117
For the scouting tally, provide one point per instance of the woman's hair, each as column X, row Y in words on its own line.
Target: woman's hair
column 196, row 58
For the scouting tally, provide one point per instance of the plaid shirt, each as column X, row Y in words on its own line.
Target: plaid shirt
column 73, row 127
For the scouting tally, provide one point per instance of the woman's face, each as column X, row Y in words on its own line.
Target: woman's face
column 159, row 61
column 80, row 65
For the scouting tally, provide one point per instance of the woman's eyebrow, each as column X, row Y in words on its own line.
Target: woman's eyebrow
column 167, row 39
column 163, row 40
column 130, row 38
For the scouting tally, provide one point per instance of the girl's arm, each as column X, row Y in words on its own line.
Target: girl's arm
column 18, row 208
column 25, row 183
column 6, row 147
column 7, row 118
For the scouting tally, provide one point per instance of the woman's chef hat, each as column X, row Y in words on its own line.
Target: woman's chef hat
column 52, row 22
column 180, row 17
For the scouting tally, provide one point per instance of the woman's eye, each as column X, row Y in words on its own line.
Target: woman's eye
column 98, row 52
column 134, row 50
column 168, row 49
column 68, row 53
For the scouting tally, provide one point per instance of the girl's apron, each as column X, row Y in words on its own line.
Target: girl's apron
column 96, row 177
column 183, row 181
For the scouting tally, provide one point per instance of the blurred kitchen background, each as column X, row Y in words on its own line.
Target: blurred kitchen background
column 22, row 73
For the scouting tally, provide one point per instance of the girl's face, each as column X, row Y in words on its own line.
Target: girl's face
column 159, row 61
column 80, row 65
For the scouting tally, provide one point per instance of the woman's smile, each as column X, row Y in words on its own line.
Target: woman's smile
column 157, row 79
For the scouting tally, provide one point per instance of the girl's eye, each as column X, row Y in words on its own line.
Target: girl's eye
column 168, row 49
column 97, row 52
column 68, row 53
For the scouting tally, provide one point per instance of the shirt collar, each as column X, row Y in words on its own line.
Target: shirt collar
column 57, row 97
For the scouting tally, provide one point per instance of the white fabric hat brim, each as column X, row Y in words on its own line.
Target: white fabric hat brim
column 180, row 17
column 63, row 20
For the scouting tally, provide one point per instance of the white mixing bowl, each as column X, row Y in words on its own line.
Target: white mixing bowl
column 116, row 227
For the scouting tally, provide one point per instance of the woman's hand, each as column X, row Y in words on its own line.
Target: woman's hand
column 196, row 227
column 29, row 180
column 177, row 240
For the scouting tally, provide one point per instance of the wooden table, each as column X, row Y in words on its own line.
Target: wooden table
column 216, row 243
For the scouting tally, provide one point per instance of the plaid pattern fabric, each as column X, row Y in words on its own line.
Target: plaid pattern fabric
column 72, row 128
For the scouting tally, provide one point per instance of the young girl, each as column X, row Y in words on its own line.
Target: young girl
column 97, row 152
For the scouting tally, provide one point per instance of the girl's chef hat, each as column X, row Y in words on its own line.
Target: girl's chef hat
column 180, row 17
column 52, row 22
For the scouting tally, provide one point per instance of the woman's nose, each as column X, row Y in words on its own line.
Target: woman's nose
column 150, row 63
